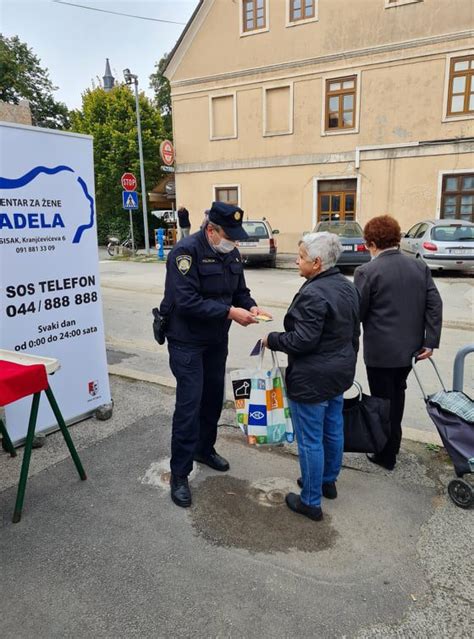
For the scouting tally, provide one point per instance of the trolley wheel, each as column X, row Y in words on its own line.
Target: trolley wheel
column 461, row 493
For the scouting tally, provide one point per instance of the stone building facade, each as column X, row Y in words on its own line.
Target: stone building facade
column 305, row 110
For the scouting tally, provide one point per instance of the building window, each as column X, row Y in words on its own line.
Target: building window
column 223, row 116
column 341, row 103
column 278, row 110
column 253, row 15
column 458, row 197
column 302, row 10
column 229, row 194
column 337, row 200
column 461, row 86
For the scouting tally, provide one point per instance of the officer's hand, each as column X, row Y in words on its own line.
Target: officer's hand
column 241, row 316
column 256, row 310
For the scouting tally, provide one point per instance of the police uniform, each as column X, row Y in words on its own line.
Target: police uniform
column 201, row 286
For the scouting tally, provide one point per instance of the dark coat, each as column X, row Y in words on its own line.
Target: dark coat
column 200, row 287
column 183, row 219
column 321, row 338
column 400, row 309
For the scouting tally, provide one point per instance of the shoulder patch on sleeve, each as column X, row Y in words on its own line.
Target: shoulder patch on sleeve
column 183, row 262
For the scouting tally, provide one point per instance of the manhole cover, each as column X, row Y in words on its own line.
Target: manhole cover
column 271, row 491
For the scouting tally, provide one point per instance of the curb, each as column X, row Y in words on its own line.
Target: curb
column 411, row 434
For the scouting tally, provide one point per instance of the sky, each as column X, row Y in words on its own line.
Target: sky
column 73, row 43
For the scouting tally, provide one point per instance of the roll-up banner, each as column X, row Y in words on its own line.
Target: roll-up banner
column 50, row 301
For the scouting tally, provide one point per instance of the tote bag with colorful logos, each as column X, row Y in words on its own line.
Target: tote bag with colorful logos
column 261, row 403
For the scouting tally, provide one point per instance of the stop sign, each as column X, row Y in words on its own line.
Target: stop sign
column 167, row 152
column 129, row 182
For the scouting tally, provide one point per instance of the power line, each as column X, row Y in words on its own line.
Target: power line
column 116, row 13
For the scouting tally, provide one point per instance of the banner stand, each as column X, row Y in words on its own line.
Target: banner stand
column 50, row 298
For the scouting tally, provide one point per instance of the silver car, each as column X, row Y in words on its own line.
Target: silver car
column 261, row 246
column 441, row 244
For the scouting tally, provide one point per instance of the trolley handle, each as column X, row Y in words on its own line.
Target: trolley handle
column 413, row 362
column 458, row 368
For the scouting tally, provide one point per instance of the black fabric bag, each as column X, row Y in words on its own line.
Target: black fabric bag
column 366, row 423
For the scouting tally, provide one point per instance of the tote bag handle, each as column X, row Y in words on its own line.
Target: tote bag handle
column 274, row 359
column 359, row 388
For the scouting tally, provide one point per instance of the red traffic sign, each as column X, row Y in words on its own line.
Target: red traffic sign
column 129, row 182
column 167, row 152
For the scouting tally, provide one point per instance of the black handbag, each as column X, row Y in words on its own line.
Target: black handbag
column 366, row 423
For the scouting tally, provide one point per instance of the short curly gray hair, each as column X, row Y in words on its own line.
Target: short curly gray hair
column 324, row 245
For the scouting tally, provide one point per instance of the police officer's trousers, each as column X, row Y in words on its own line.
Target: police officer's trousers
column 200, row 374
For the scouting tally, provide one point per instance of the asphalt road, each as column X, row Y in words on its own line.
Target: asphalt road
column 113, row 557
column 131, row 289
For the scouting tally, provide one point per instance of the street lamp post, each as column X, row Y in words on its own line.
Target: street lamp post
column 131, row 78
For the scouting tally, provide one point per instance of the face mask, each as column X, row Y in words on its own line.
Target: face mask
column 224, row 246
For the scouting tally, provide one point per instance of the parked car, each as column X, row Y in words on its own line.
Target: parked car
column 354, row 250
column 169, row 216
column 441, row 244
column 261, row 246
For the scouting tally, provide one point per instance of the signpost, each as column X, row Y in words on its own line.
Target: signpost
column 129, row 182
column 50, row 298
column 167, row 153
column 129, row 200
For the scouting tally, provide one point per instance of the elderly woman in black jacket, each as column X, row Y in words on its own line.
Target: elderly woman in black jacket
column 321, row 339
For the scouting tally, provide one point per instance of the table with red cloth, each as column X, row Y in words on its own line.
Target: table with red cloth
column 19, row 380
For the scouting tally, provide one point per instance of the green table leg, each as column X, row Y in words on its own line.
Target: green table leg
column 26, row 458
column 65, row 432
column 6, row 441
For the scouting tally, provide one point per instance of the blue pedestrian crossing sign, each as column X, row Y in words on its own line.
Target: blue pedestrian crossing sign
column 130, row 199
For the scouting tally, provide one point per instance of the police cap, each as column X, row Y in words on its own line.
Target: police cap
column 230, row 217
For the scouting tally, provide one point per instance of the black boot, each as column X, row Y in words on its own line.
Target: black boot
column 329, row 489
column 180, row 491
column 214, row 460
column 295, row 504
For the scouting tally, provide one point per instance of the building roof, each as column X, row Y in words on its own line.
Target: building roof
column 174, row 50
column 108, row 78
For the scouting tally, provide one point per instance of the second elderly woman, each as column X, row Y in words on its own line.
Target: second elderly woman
column 321, row 339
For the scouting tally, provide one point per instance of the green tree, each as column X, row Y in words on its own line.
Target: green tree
column 110, row 118
column 162, row 89
column 22, row 77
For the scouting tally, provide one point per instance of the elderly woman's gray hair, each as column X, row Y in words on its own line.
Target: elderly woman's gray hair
column 324, row 245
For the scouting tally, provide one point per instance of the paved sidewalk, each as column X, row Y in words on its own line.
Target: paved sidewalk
column 130, row 290
column 113, row 557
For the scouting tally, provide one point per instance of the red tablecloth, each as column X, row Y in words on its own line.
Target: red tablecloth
column 17, row 381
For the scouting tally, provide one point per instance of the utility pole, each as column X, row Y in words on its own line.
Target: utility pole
column 131, row 78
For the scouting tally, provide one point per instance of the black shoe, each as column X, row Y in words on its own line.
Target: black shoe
column 375, row 459
column 295, row 504
column 329, row 489
column 214, row 461
column 180, row 491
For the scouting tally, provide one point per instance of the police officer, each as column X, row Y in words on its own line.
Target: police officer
column 205, row 290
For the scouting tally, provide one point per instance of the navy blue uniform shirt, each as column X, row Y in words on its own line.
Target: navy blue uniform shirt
column 201, row 285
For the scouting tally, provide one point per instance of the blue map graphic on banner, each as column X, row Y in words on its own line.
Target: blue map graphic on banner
column 16, row 183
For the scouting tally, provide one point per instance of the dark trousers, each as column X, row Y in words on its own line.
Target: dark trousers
column 390, row 383
column 199, row 373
